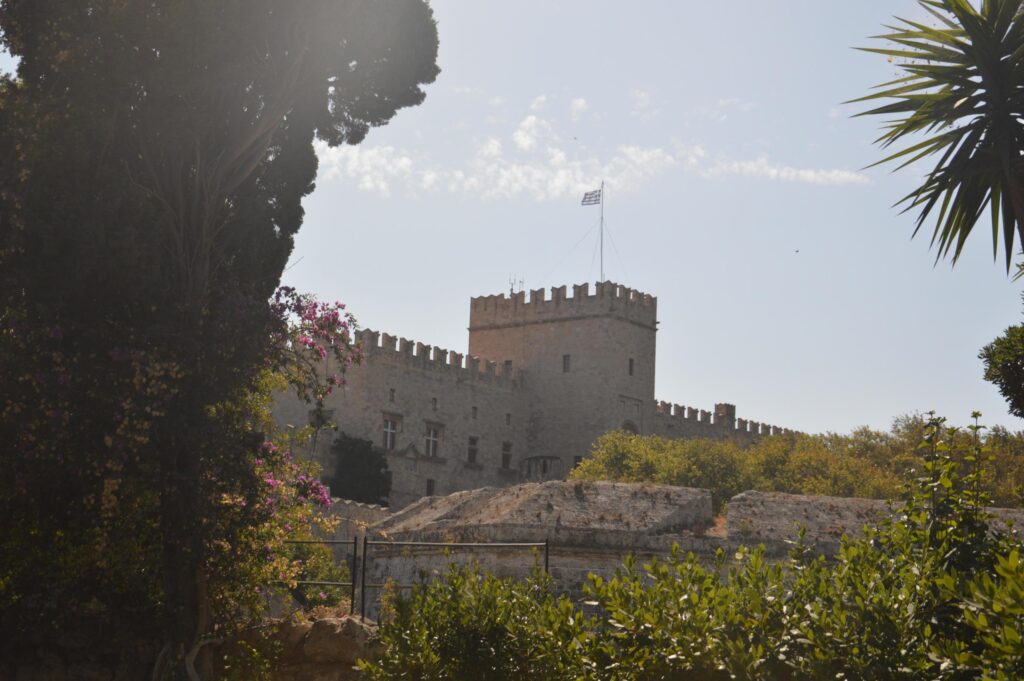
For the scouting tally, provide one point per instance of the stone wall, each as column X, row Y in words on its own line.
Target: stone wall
column 354, row 517
column 324, row 650
column 775, row 519
column 416, row 387
column 678, row 421
column 591, row 527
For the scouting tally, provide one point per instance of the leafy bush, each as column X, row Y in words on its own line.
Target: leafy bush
column 931, row 594
column 866, row 463
column 710, row 464
column 362, row 471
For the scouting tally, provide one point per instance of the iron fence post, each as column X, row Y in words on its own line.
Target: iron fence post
column 352, row 576
column 362, row 584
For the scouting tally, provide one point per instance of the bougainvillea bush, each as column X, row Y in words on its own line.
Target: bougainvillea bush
column 931, row 594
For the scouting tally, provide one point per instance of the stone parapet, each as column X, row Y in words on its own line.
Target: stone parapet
column 609, row 299
column 415, row 355
column 676, row 420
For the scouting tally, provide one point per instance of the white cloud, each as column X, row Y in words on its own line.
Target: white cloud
column 736, row 104
column 760, row 167
column 373, row 168
column 577, row 108
column 691, row 156
column 540, row 173
column 538, row 102
column 536, row 165
column 553, row 174
column 467, row 90
column 491, row 148
column 531, row 131
column 720, row 110
column 643, row 105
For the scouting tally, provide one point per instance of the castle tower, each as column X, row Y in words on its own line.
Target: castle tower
column 588, row 362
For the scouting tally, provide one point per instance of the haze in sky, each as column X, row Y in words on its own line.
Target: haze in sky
column 786, row 281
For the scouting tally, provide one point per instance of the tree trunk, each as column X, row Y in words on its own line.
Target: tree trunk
column 182, row 550
column 186, row 607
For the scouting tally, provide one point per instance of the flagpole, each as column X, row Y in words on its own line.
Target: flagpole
column 601, row 195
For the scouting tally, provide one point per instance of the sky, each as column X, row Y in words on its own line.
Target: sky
column 736, row 192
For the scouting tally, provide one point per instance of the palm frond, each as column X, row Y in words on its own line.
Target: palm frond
column 963, row 89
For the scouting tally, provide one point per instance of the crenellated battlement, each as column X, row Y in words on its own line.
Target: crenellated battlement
column 432, row 358
column 722, row 423
column 608, row 299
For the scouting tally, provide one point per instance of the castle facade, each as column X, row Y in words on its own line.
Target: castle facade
column 544, row 377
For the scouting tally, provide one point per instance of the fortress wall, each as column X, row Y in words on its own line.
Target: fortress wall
column 675, row 420
column 772, row 518
column 569, row 567
column 548, row 375
column 416, row 356
column 608, row 298
column 473, row 399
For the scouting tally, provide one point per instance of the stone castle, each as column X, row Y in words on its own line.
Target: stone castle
column 544, row 377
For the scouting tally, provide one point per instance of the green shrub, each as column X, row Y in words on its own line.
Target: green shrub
column 866, row 463
column 930, row 594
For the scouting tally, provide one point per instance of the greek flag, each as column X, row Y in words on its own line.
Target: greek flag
column 591, row 198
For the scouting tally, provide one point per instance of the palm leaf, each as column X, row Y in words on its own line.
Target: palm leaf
column 964, row 89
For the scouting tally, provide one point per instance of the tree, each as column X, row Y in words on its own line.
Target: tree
column 362, row 471
column 1004, row 366
column 963, row 94
column 153, row 159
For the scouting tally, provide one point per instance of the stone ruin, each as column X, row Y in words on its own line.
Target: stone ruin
column 591, row 526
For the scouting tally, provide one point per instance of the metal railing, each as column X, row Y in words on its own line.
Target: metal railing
column 367, row 543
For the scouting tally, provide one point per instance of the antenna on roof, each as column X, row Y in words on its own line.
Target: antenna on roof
column 513, row 282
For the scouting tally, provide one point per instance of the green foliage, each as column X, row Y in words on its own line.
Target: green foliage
column 362, row 471
column 1004, row 366
column 316, row 562
column 962, row 94
column 153, row 162
column 710, row 464
column 799, row 464
column 865, row 463
column 471, row 626
column 931, row 594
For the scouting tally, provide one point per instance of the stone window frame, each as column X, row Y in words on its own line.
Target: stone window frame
column 472, row 448
column 506, row 455
column 508, row 418
column 473, row 412
column 433, row 436
column 396, row 421
column 391, row 395
column 431, row 487
column 631, row 366
column 566, row 363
